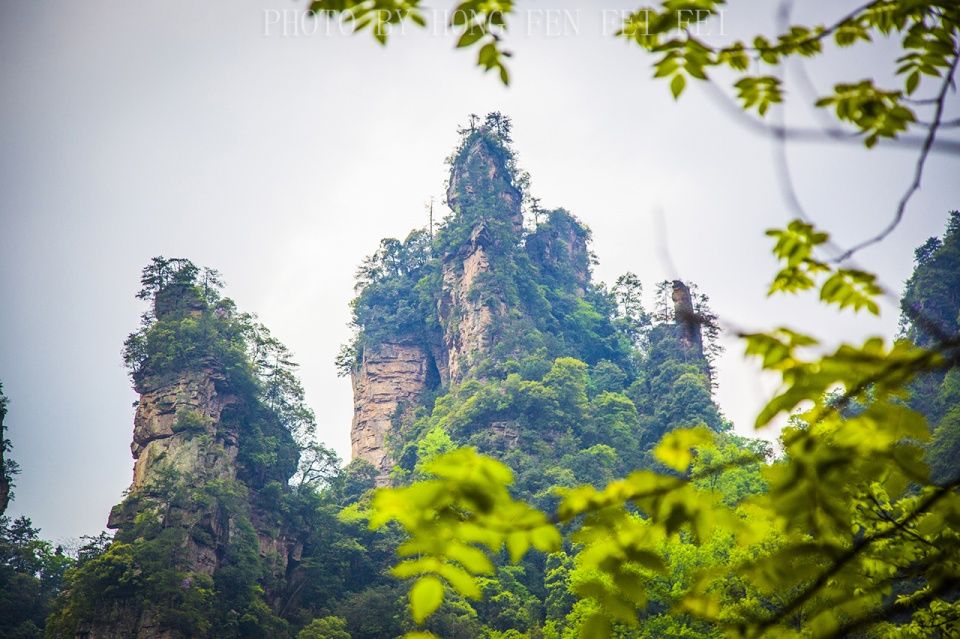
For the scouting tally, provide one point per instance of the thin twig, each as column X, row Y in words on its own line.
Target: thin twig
column 822, row 34
column 949, row 147
column 784, row 176
column 918, row 171
column 947, row 124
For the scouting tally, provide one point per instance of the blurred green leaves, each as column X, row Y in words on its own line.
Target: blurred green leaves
column 875, row 112
column 455, row 522
column 843, row 287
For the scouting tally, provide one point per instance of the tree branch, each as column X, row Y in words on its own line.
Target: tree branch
column 918, row 171
column 949, row 147
column 852, row 553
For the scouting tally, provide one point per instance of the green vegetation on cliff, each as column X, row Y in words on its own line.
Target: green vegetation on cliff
column 848, row 533
column 8, row 467
column 563, row 364
column 208, row 540
column 931, row 314
column 567, row 381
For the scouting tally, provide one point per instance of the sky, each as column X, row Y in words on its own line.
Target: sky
column 251, row 139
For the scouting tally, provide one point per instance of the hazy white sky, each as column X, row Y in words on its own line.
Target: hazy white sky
column 201, row 129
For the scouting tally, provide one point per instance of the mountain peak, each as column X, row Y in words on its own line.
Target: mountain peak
column 484, row 185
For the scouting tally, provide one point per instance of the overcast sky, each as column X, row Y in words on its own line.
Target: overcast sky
column 228, row 132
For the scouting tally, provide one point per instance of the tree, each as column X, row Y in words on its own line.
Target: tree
column 319, row 466
column 31, row 573
column 325, row 628
column 628, row 292
column 8, row 467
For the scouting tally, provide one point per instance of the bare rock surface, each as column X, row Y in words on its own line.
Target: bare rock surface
column 468, row 319
column 170, row 420
column 389, row 382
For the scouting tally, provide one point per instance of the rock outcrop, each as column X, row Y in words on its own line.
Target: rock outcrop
column 392, row 375
column 480, row 179
column 686, row 319
column 183, row 432
column 466, row 314
column 178, row 430
column 387, row 386
column 559, row 249
column 170, row 420
column 191, row 481
column 484, row 198
column 485, row 266
column 124, row 622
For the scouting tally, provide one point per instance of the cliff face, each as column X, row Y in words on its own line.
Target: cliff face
column 483, row 196
column 467, row 318
column 559, row 249
column 123, row 622
column 685, row 317
column 392, row 374
column 178, row 428
column 480, row 179
column 386, row 388
column 170, row 420
column 182, row 428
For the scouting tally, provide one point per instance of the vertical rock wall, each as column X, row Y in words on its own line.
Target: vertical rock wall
column 391, row 376
column 387, row 385
column 471, row 306
column 467, row 318
column 170, row 420
column 178, row 427
column 479, row 177
column 481, row 192
column 686, row 319
column 181, row 428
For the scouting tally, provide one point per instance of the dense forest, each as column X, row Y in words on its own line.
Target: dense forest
column 482, row 339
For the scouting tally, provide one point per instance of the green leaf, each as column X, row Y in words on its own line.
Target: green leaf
column 675, row 449
column 461, row 581
column 852, row 288
column 595, row 627
column 517, row 545
column 677, row 85
column 471, row 558
column 470, row 36
column 546, row 538
column 504, row 75
column 425, row 597
column 912, row 81
column 648, row 559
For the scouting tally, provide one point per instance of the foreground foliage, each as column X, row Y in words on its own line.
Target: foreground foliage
column 928, row 32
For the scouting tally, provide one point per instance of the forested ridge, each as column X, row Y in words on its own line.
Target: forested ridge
column 551, row 463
